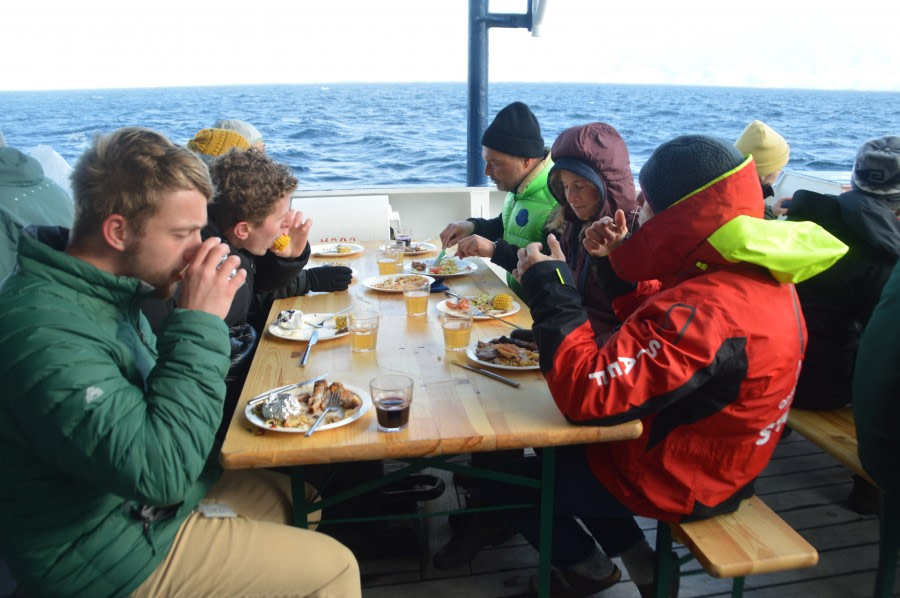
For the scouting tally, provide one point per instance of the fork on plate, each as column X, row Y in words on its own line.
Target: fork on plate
column 322, row 323
column 331, row 404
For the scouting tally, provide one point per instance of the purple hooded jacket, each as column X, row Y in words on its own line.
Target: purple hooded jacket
column 597, row 153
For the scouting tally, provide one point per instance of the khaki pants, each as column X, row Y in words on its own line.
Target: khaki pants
column 257, row 553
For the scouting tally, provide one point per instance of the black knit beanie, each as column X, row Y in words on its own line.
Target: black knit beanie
column 515, row 131
column 679, row 167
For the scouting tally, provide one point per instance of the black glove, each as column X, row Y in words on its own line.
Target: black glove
column 523, row 334
column 329, row 278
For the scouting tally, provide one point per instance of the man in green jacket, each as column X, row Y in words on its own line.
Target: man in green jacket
column 517, row 161
column 108, row 470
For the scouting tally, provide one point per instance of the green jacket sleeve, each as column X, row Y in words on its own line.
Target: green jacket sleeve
column 147, row 441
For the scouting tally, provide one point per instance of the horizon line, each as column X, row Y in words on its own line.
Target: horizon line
column 330, row 83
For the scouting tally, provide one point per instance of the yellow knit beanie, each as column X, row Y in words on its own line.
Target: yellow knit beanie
column 215, row 142
column 770, row 150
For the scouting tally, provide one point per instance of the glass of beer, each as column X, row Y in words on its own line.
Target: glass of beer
column 363, row 330
column 387, row 260
column 401, row 253
column 416, row 296
column 457, row 330
column 392, row 395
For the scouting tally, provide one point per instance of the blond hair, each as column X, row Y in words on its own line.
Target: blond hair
column 127, row 172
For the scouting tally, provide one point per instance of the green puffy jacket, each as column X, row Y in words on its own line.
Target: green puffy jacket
column 522, row 220
column 99, row 418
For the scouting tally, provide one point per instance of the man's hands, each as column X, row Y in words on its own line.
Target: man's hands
column 531, row 255
column 455, row 231
column 208, row 284
column 606, row 234
column 298, row 230
column 474, row 245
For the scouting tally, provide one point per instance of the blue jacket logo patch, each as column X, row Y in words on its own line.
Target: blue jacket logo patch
column 522, row 217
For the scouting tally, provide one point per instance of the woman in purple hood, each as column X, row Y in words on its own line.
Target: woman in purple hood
column 591, row 178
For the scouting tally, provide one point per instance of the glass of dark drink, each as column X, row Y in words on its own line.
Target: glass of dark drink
column 392, row 395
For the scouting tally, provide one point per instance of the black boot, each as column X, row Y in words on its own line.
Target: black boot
column 473, row 532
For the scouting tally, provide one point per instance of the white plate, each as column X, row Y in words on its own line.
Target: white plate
column 328, row 331
column 464, row 268
column 374, row 280
column 331, row 249
column 442, row 306
column 470, row 353
column 416, row 248
column 366, row 405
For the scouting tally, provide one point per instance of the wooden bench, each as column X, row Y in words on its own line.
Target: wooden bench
column 753, row 539
column 832, row 431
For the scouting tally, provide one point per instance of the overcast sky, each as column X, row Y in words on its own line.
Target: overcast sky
column 826, row 44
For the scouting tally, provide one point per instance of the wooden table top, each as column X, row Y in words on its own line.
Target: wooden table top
column 453, row 410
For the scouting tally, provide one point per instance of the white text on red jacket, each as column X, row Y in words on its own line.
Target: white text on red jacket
column 622, row 366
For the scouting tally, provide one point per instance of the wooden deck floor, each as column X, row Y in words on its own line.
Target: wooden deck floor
column 804, row 485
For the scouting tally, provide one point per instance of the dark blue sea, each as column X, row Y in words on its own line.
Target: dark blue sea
column 344, row 136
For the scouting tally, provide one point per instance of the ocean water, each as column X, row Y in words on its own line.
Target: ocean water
column 346, row 136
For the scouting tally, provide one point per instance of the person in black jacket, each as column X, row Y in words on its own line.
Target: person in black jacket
column 251, row 208
column 838, row 303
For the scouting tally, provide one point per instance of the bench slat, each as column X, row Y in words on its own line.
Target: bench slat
column 753, row 539
column 833, row 431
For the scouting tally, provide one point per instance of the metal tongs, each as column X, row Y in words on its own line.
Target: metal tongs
column 478, row 312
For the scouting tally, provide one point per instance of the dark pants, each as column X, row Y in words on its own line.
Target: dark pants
column 577, row 493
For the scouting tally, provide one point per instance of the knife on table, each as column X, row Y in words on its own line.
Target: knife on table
column 268, row 393
column 313, row 339
column 489, row 374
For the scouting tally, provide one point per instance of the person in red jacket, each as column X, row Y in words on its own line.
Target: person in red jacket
column 708, row 363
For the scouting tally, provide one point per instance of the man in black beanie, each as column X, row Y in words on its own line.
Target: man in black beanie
column 518, row 162
column 707, row 361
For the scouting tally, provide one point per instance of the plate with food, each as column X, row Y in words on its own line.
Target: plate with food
column 498, row 305
column 294, row 325
column 416, row 248
column 332, row 249
column 448, row 266
column 296, row 410
column 393, row 283
column 505, row 353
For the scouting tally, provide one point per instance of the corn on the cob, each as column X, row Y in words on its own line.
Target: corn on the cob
column 281, row 242
column 502, row 301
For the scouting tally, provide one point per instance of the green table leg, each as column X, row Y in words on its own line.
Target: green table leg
column 548, row 470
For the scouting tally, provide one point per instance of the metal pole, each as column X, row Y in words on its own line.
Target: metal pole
column 477, row 96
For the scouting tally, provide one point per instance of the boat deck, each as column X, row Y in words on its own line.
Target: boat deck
column 805, row 486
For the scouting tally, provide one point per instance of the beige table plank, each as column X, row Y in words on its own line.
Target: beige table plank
column 454, row 411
